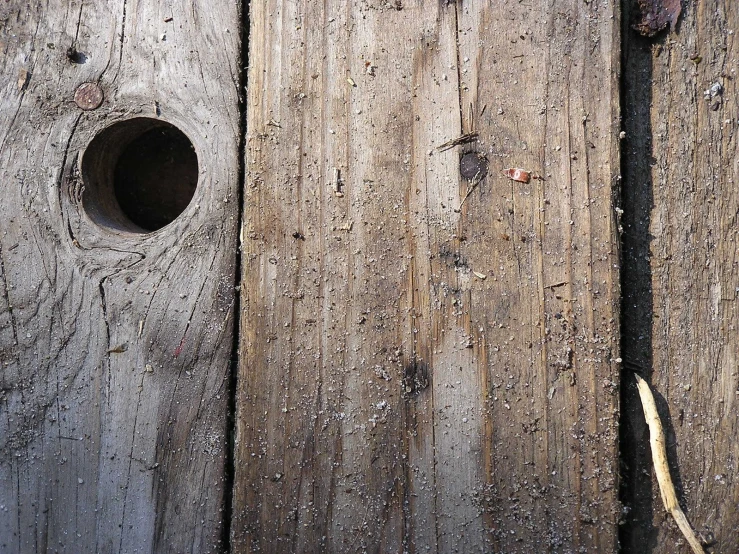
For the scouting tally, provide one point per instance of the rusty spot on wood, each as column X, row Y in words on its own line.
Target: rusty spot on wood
column 655, row 15
column 88, row 96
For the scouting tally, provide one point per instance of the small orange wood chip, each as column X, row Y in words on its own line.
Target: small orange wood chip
column 517, row 174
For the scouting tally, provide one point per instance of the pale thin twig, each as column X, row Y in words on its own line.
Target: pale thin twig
column 476, row 181
column 661, row 469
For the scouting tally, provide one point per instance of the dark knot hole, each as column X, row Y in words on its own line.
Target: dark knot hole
column 139, row 175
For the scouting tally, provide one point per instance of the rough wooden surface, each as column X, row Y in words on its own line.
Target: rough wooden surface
column 680, row 297
column 415, row 376
column 114, row 346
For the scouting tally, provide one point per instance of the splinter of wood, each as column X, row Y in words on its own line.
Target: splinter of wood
column 473, row 186
column 661, row 469
column 464, row 139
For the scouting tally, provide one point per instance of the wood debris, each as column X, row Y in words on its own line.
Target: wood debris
column 472, row 187
column 655, row 15
column 464, row 139
column 120, row 349
column 661, row 469
column 517, row 174
column 23, row 78
column 337, row 184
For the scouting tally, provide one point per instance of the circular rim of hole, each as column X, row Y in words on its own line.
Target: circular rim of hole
column 121, row 154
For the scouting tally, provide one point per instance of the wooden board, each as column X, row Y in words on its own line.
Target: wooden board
column 115, row 346
column 680, row 293
column 419, row 373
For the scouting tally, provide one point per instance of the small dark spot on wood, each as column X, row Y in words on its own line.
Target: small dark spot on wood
column 707, row 538
column 473, row 166
column 452, row 258
column 415, row 377
column 298, row 235
column 75, row 56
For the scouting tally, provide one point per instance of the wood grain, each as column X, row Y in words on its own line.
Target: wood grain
column 415, row 376
column 684, row 182
column 114, row 346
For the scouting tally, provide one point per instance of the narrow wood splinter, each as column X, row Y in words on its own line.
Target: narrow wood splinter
column 661, row 469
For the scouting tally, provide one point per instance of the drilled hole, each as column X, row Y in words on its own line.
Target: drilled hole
column 139, row 175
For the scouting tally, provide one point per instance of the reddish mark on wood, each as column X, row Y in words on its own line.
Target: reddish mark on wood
column 517, row 174
column 178, row 350
column 88, row 96
column 655, row 15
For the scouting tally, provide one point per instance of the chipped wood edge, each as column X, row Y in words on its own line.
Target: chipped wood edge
column 661, row 469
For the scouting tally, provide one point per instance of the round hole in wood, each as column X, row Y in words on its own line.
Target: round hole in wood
column 139, row 175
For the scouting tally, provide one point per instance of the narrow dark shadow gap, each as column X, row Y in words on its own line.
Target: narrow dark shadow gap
column 636, row 534
column 230, row 461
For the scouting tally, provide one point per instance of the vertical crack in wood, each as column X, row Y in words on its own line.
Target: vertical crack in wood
column 61, row 183
column 229, row 458
column 123, row 32
column 462, row 129
column 635, row 486
column 104, row 306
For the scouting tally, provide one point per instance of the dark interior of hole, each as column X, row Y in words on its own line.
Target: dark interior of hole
column 155, row 177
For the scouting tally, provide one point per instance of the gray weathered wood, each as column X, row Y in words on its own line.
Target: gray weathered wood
column 115, row 347
column 415, row 376
column 681, row 316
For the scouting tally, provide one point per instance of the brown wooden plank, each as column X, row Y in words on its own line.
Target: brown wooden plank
column 680, row 294
column 415, row 376
column 114, row 345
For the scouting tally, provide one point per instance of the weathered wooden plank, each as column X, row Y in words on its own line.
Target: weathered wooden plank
column 115, row 344
column 416, row 375
column 681, row 203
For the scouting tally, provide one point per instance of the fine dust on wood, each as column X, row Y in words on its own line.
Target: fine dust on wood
column 390, row 399
column 114, row 347
column 690, row 235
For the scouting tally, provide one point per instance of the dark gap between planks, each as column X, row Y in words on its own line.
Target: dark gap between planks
column 636, row 535
column 229, row 462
